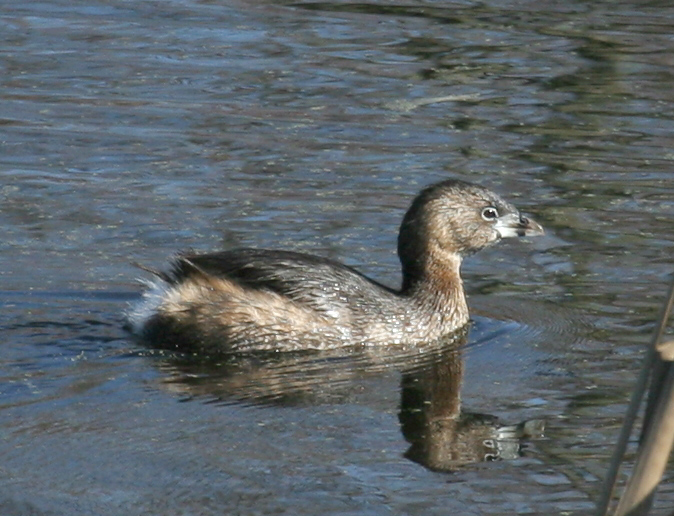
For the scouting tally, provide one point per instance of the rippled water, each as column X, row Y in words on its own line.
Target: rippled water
column 130, row 130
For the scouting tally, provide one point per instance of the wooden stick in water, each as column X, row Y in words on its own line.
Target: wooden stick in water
column 654, row 450
column 650, row 359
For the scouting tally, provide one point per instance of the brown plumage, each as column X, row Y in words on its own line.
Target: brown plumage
column 250, row 299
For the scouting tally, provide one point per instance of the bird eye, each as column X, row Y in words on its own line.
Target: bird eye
column 489, row 213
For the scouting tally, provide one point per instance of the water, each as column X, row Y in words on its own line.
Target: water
column 131, row 130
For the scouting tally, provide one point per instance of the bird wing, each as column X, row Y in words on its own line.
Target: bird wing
column 321, row 283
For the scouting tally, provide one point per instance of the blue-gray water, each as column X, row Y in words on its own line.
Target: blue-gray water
column 132, row 130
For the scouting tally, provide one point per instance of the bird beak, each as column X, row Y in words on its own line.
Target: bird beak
column 516, row 225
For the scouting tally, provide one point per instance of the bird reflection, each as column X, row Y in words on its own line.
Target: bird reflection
column 442, row 437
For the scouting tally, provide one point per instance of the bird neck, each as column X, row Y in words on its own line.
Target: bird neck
column 435, row 283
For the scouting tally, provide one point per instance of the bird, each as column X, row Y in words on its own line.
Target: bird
column 249, row 300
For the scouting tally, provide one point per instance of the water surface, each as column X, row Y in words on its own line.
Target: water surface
column 131, row 130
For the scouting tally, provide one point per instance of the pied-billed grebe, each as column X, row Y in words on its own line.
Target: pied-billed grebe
column 253, row 299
